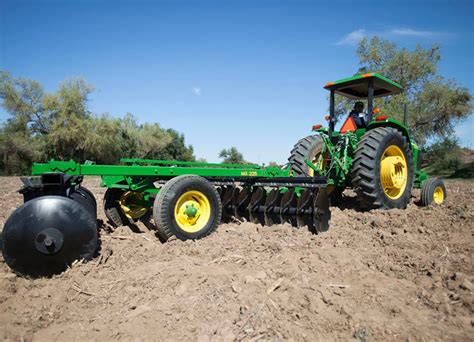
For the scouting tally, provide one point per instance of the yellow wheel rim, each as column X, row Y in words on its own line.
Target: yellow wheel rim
column 131, row 204
column 438, row 195
column 319, row 164
column 192, row 211
column 393, row 172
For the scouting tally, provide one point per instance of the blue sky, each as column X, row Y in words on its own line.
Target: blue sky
column 225, row 73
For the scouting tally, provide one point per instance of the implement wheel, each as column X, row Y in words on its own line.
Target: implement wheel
column 433, row 192
column 124, row 207
column 188, row 207
column 382, row 170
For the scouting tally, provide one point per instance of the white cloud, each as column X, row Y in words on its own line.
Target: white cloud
column 407, row 32
column 196, row 91
column 352, row 38
column 355, row 36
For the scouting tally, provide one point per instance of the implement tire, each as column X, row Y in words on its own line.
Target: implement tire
column 114, row 212
column 112, row 208
column 188, row 207
column 382, row 169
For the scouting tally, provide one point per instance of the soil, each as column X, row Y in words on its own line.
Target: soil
column 377, row 275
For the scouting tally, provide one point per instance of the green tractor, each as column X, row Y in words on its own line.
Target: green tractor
column 376, row 156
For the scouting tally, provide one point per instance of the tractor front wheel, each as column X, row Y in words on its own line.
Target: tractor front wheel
column 433, row 191
column 382, row 170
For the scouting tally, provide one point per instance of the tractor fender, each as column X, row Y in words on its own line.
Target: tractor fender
column 389, row 122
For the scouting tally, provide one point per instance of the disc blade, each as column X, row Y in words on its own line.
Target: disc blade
column 227, row 196
column 288, row 207
column 304, row 216
column 271, row 211
column 257, row 206
column 242, row 203
column 322, row 214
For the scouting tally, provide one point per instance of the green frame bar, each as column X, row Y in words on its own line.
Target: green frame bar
column 138, row 161
column 157, row 171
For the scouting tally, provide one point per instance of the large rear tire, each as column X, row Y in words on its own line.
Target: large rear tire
column 188, row 207
column 309, row 148
column 382, row 170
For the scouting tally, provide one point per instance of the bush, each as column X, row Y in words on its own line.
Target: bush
column 444, row 156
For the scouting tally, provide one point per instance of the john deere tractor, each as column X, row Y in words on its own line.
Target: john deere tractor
column 380, row 161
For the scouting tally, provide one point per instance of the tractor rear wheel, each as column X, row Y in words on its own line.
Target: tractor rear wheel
column 188, row 207
column 382, row 169
column 433, row 191
column 309, row 148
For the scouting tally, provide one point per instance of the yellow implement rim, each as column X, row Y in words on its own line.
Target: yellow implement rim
column 197, row 202
column 129, row 203
column 438, row 195
column 393, row 172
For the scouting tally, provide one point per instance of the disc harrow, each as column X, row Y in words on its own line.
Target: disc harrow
column 186, row 200
column 270, row 206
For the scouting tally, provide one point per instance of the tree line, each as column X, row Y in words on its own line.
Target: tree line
column 43, row 126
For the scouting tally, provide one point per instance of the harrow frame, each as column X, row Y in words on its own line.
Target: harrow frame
column 140, row 175
column 236, row 184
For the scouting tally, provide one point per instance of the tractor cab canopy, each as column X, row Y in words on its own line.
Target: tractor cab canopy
column 365, row 86
column 357, row 87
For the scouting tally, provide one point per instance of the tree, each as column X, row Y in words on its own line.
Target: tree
column 435, row 105
column 70, row 123
column 59, row 125
column 105, row 141
column 232, row 156
column 176, row 149
column 20, row 142
column 24, row 100
column 18, row 149
column 444, row 155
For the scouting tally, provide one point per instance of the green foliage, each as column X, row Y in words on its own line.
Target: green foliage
column 232, row 156
column 68, row 121
column 443, row 156
column 176, row 149
column 59, row 125
column 17, row 150
column 362, row 334
column 435, row 105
